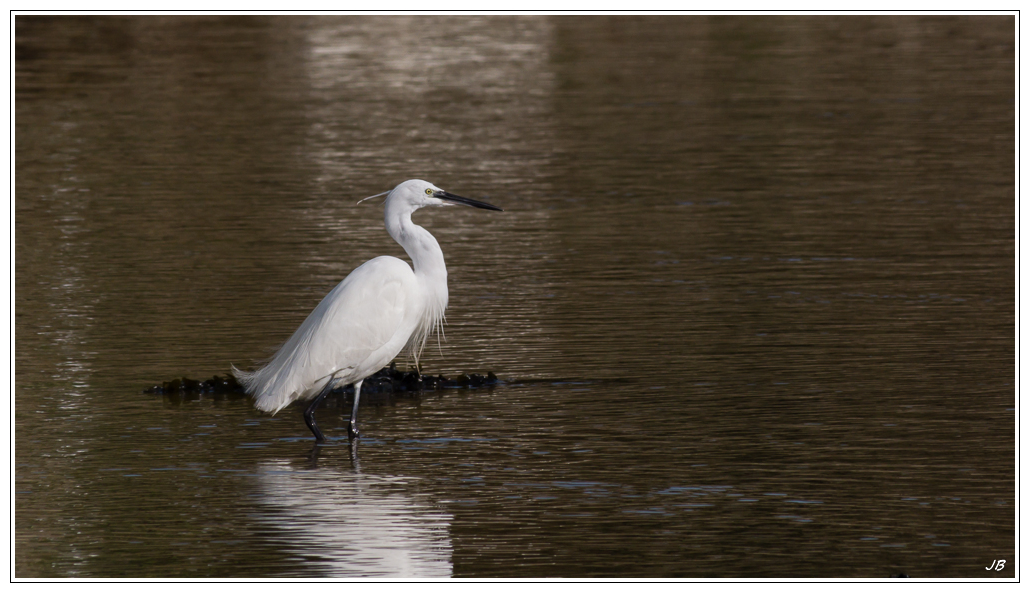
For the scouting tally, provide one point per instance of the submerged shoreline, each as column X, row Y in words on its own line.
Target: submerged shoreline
column 386, row 380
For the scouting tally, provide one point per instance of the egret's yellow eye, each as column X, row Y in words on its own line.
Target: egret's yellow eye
column 429, row 191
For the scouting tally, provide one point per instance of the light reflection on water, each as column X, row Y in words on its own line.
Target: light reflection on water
column 363, row 525
column 751, row 295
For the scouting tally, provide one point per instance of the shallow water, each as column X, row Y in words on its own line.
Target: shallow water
column 752, row 295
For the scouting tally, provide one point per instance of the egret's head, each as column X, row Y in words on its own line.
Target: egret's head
column 416, row 194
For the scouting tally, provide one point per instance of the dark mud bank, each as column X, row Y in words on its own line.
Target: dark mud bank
column 387, row 381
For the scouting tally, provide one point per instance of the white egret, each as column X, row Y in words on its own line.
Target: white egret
column 363, row 323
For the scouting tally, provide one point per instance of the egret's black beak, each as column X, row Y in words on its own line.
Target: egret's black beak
column 467, row 201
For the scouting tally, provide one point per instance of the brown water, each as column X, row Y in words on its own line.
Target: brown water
column 752, row 294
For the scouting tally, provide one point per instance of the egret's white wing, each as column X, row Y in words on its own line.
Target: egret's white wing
column 360, row 326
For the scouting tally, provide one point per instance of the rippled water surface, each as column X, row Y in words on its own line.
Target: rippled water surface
column 751, row 297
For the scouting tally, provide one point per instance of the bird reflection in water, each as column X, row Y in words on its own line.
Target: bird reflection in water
column 351, row 524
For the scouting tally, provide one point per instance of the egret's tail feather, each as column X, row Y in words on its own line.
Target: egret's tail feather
column 245, row 378
column 263, row 386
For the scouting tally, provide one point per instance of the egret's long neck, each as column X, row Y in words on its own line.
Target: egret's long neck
column 430, row 271
column 425, row 253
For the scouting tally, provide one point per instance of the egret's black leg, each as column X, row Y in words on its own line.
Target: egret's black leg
column 309, row 414
column 352, row 428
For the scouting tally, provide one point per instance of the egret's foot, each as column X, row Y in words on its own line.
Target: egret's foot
column 352, row 431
